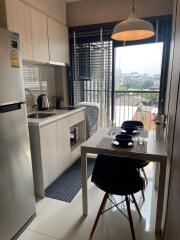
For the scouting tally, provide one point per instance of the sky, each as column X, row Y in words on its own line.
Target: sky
column 144, row 58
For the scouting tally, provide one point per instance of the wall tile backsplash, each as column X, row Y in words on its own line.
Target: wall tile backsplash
column 38, row 79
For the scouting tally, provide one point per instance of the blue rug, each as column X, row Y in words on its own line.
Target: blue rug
column 68, row 184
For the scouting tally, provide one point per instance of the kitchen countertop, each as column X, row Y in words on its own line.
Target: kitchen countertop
column 58, row 114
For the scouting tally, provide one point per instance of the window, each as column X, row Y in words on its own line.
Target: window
column 137, row 82
column 92, row 52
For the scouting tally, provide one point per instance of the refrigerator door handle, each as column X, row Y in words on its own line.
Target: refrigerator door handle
column 11, row 107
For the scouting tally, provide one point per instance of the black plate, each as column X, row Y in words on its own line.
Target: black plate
column 123, row 138
column 118, row 144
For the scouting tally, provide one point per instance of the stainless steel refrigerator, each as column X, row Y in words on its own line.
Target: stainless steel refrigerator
column 17, row 203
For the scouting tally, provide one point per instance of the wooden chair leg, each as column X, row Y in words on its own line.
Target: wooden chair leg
column 145, row 176
column 104, row 201
column 130, row 217
column 143, row 196
column 136, row 205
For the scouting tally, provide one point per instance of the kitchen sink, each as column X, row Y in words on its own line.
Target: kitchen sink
column 40, row 115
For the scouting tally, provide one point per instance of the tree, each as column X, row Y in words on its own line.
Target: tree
column 147, row 84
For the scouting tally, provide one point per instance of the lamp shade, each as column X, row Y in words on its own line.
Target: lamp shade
column 133, row 29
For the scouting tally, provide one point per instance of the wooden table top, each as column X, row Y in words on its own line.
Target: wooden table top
column 101, row 142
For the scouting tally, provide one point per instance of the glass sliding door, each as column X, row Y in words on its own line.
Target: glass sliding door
column 137, row 83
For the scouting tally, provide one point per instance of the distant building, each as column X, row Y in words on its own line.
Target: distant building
column 156, row 81
column 135, row 80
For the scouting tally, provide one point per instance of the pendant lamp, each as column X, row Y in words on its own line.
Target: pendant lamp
column 133, row 28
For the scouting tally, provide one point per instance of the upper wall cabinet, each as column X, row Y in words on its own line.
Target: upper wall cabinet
column 42, row 38
column 39, row 36
column 18, row 20
column 58, row 42
column 55, row 9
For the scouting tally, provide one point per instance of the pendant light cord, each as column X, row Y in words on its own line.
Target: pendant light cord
column 133, row 6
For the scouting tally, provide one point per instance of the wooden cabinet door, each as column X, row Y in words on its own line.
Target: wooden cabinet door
column 58, row 42
column 64, row 143
column 39, row 36
column 172, row 229
column 18, row 20
column 49, row 153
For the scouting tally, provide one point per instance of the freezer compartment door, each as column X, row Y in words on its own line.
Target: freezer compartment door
column 11, row 77
column 17, row 203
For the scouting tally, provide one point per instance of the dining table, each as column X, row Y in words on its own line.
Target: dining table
column 151, row 149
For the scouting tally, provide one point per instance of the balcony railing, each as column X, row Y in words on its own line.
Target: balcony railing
column 128, row 105
column 136, row 105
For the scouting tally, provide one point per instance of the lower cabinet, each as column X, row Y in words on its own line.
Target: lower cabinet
column 64, row 149
column 51, row 166
column 51, row 150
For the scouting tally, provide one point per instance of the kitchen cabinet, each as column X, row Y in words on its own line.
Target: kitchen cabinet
column 76, row 118
column 172, row 230
column 51, row 150
column 63, row 129
column 51, row 166
column 39, row 36
column 58, row 41
column 18, row 20
column 52, row 8
column 42, row 38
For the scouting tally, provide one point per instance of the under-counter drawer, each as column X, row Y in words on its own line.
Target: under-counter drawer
column 77, row 118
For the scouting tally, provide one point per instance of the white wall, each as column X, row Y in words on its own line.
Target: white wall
column 99, row 11
column 39, row 79
column 54, row 8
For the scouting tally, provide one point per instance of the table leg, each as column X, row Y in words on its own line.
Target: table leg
column 156, row 178
column 84, row 182
column 160, row 200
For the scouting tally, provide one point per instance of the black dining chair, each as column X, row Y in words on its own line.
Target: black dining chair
column 115, row 176
column 140, row 164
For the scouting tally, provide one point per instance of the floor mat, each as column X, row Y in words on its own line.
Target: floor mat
column 68, row 184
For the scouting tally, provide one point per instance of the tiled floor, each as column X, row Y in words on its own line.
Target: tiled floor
column 64, row 221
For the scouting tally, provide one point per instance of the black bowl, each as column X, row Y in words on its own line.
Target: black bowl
column 130, row 129
column 134, row 123
column 124, row 138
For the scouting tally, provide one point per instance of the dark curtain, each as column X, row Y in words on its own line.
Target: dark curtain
column 164, row 35
column 162, row 26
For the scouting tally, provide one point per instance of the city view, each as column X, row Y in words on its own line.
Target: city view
column 137, row 83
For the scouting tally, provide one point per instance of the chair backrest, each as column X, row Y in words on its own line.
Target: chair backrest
column 110, row 169
column 134, row 123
